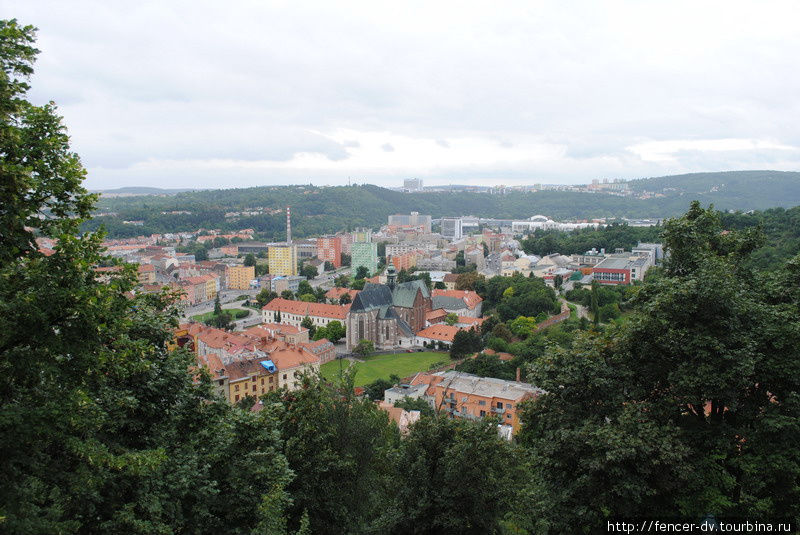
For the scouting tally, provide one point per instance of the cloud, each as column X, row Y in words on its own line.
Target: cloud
column 387, row 147
column 175, row 91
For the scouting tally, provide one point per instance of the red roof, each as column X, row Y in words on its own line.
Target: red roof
column 470, row 298
column 444, row 333
column 301, row 308
column 336, row 293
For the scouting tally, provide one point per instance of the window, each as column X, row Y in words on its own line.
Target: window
column 262, row 381
column 508, row 415
column 237, row 397
column 482, row 402
column 499, row 404
column 284, row 376
column 254, row 388
column 483, row 413
column 236, row 388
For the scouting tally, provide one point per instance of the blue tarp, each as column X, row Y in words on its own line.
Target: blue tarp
column 269, row 365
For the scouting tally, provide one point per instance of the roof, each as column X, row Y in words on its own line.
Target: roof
column 465, row 383
column 405, row 293
column 444, row 333
column 613, row 262
column 292, row 357
column 451, row 277
column 436, row 313
column 318, row 346
column 337, row 293
column 371, row 297
column 470, row 298
column 303, row 308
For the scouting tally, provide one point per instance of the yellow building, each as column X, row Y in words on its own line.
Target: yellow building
column 239, row 277
column 282, row 260
column 211, row 286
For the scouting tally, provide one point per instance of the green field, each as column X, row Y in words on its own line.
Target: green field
column 382, row 366
column 237, row 313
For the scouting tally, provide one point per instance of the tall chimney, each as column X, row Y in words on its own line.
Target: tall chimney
column 518, row 375
column 289, row 225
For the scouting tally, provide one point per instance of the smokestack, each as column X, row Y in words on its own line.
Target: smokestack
column 289, row 225
column 518, row 375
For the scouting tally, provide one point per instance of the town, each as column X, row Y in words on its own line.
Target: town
column 260, row 315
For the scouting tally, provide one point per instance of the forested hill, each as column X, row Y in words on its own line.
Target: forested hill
column 318, row 210
column 736, row 190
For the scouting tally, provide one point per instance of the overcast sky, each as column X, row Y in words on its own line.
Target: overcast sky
column 226, row 94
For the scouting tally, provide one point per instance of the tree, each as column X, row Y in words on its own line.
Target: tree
column 460, row 262
column 304, row 288
column 442, row 483
column 375, row 389
column 451, row 318
column 364, row 348
column 250, row 260
column 335, row 331
column 468, row 281
column 329, row 266
column 342, row 281
column 265, row 296
column 308, row 323
column 308, row 271
column 308, row 298
column 677, row 412
column 346, row 259
column 362, row 272
column 345, row 299
column 558, row 280
column 594, row 307
column 217, row 306
column 103, row 428
column 439, row 286
column 287, row 294
column 465, row 343
column 358, row 284
column 278, row 316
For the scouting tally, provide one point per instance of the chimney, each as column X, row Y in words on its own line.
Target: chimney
column 289, row 225
column 518, row 375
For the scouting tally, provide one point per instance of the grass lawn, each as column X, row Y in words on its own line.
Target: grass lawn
column 382, row 366
column 235, row 312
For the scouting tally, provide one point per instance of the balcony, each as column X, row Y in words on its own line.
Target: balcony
column 498, row 411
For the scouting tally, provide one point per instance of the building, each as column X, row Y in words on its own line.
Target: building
column 461, row 302
column 364, row 254
column 412, row 184
column 388, row 314
column 282, row 259
column 239, row 277
column 405, row 261
column 450, row 281
column 329, row 249
column 622, row 269
column 452, row 229
column 414, row 219
column 294, row 312
column 334, row 295
column 462, row 395
column 306, row 249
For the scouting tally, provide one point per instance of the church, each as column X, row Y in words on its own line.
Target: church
column 388, row 315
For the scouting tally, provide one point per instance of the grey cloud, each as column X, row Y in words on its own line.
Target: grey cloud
column 387, row 147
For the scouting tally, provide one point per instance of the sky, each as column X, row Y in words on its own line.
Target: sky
column 234, row 94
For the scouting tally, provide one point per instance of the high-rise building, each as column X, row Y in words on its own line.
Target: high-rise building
column 282, row 259
column 364, row 254
column 361, row 235
column 412, row 184
column 451, row 228
column 414, row 219
column 329, row 249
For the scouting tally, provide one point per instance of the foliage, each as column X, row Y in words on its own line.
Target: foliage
column 364, row 348
column 334, row 331
column 362, row 272
column 250, row 260
column 465, row 343
column 451, row 318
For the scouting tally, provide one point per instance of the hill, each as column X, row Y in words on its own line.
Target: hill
column 319, row 210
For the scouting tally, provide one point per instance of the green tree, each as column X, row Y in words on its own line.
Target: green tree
column 335, row 331
column 103, row 429
column 690, row 409
column 364, row 348
column 362, row 272
column 345, row 299
column 308, row 323
column 265, row 296
column 594, row 306
column 451, row 318
column 342, row 281
column 308, row 298
column 287, row 294
column 439, row 286
column 250, row 260
column 308, row 271
column 304, row 288
column 217, row 306
column 443, row 484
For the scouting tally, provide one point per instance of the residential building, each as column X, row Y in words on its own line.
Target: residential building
column 412, row 184
column 294, row 312
column 462, row 395
column 147, row 274
column 364, row 254
column 405, row 261
column 450, row 281
column 239, row 277
column 335, row 294
column 622, row 269
column 282, row 259
column 461, row 302
column 451, row 228
column 329, row 249
column 414, row 219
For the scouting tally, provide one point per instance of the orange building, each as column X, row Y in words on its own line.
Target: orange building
column 463, row 395
column 329, row 249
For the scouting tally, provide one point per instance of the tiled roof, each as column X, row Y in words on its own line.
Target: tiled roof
column 451, row 277
column 469, row 297
column 336, row 293
column 444, row 333
column 302, row 308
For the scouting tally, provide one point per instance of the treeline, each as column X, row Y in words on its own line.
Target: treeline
column 319, row 210
column 544, row 242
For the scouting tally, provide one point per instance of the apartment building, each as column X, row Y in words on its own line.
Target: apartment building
column 282, row 259
column 462, row 395
column 239, row 277
column 294, row 312
column 329, row 249
column 364, row 254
